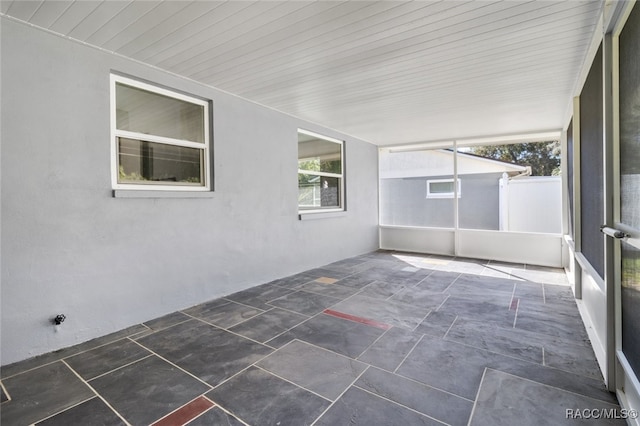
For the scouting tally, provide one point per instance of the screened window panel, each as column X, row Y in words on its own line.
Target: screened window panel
column 630, row 120
column 570, row 175
column 630, row 184
column 591, row 167
column 404, row 177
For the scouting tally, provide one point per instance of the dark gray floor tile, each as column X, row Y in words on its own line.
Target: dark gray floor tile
column 342, row 336
column 356, row 281
column 384, row 311
column 390, row 349
column 418, row 296
column 442, row 406
column 358, row 407
column 319, row 370
column 382, row 289
column 260, row 295
column 269, row 324
column 557, row 378
column 167, row 321
column 295, row 281
column 496, row 339
column 93, row 412
column 204, row 309
column 304, row 303
column 546, row 319
column 448, row 366
column 207, row 352
column 437, row 323
column 483, row 288
column 505, row 399
column 260, row 398
column 22, row 366
column 576, row 359
column 479, row 310
column 42, row 392
column 228, row 314
column 101, row 360
column 438, row 281
column 215, row 417
column 529, row 291
column 147, row 390
column 333, row 290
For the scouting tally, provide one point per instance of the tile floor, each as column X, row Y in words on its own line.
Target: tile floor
column 381, row 339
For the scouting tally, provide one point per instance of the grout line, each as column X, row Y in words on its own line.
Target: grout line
column 400, row 405
column 226, row 411
column 408, row 353
column 224, row 329
column 475, row 401
column 451, row 326
column 184, row 405
column 293, row 383
column 543, row 360
column 544, row 294
column 65, row 409
column 340, row 396
column 443, row 302
column 372, row 343
column 77, row 353
column 120, row 368
column 174, row 364
column 515, row 318
column 97, row 394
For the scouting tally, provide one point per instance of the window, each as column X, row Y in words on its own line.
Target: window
column 160, row 138
column 320, row 173
column 441, row 188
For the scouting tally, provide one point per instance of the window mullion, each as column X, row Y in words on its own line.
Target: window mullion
column 159, row 139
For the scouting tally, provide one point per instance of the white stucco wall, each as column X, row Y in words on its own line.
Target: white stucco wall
column 69, row 247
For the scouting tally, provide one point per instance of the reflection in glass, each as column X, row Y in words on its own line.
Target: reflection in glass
column 318, row 191
column 631, row 305
column 140, row 111
column 318, row 155
column 142, row 162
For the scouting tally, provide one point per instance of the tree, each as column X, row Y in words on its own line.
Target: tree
column 543, row 157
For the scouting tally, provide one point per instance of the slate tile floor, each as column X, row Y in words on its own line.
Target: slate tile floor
column 381, row 339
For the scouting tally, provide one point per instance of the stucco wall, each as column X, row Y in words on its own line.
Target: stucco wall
column 69, row 247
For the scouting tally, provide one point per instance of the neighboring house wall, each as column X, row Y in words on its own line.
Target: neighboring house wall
column 69, row 247
column 404, row 202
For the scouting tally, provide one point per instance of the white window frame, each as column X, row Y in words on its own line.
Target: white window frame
column 115, row 134
column 340, row 176
column 442, row 194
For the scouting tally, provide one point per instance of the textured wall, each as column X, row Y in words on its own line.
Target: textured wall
column 69, row 247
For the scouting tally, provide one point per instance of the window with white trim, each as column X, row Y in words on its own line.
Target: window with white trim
column 160, row 138
column 320, row 173
column 442, row 188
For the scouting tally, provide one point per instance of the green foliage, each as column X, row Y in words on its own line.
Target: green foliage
column 542, row 157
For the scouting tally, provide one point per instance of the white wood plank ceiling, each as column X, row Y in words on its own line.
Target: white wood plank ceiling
column 388, row 72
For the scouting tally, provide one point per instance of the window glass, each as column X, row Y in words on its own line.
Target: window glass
column 320, row 172
column 146, row 162
column 141, row 111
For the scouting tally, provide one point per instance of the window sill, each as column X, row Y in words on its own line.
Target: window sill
column 320, row 215
column 131, row 193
